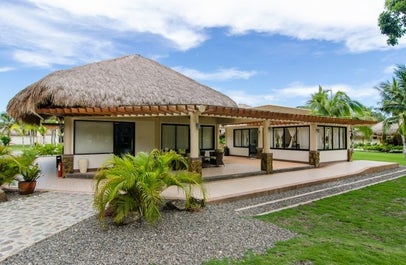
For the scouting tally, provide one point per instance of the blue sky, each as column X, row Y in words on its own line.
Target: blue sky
column 257, row 52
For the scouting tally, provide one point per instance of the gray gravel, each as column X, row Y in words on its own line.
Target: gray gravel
column 180, row 238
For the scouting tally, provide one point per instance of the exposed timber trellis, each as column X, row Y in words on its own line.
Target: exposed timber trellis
column 213, row 111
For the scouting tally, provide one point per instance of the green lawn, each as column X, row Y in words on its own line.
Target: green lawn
column 376, row 156
column 366, row 226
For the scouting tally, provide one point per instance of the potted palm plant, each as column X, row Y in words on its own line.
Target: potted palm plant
column 29, row 174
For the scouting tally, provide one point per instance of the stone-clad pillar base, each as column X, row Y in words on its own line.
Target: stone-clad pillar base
column 67, row 163
column 195, row 165
column 266, row 162
column 314, row 158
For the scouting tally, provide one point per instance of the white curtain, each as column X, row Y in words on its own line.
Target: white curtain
column 320, row 137
column 279, row 133
column 303, row 137
column 292, row 132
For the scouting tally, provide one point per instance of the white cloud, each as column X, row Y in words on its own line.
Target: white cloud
column 220, row 75
column 298, row 94
column 68, row 30
column 365, row 93
column 6, row 69
column 38, row 38
column 390, row 69
column 242, row 97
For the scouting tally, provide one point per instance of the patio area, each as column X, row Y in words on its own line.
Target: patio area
column 237, row 167
column 240, row 177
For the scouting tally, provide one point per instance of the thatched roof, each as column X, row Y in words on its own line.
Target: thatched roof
column 379, row 129
column 126, row 81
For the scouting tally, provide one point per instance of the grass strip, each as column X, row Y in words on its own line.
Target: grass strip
column 366, row 226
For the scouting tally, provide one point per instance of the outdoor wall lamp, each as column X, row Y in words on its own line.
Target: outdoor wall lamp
column 201, row 108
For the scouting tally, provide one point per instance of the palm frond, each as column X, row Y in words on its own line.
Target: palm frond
column 132, row 183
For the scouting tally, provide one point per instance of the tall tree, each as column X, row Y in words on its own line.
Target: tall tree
column 339, row 104
column 393, row 101
column 392, row 21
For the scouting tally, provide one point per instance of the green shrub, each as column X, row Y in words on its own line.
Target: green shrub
column 8, row 169
column 5, row 140
column 129, row 184
column 376, row 147
column 11, row 165
column 30, row 172
column 48, row 149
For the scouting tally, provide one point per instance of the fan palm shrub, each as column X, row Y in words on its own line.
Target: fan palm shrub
column 134, row 183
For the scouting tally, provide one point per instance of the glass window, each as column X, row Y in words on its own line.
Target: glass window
column 207, row 137
column 175, row 137
column 237, row 138
column 328, row 138
column 242, row 137
column 343, row 138
column 168, row 137
column 331, row 138
column 278, row 137
column 336, row 138
column 182, row 137
column 303, row 138
column 291, row 137
column 93, row 137
column 245, row 141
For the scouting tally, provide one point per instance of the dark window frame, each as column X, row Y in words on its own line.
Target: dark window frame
column 341, row 129
column 176, row 125
column 284, row 139
column 213, row 137
column 241, row 135
column 112, row 139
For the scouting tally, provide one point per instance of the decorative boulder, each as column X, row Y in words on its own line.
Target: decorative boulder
column 3, row 196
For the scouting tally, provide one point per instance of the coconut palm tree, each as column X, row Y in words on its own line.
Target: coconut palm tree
column 393, row 101
column 339, row 104
column 129, row 184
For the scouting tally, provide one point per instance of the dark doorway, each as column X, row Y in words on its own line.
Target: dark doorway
column 124, row 138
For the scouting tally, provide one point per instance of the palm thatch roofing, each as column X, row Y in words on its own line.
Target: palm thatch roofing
column 379, row 129
column 126, row 81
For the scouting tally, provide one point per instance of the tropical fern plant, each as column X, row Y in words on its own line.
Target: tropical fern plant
column 134, row 183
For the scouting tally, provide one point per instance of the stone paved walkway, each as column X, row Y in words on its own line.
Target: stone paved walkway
column 25, row 222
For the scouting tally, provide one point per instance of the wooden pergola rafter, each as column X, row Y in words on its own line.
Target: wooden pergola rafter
column 255, row 115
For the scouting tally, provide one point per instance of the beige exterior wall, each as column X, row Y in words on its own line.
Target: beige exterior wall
column 147, row 134
column 333, row 156
column 291, row 155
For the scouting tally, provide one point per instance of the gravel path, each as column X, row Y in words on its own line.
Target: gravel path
column 180, row 238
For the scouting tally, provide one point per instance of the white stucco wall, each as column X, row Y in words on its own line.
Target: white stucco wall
column 39, row 139
column 333, row 155
column 239, row 151
column 290, row 155
column 95, row 161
